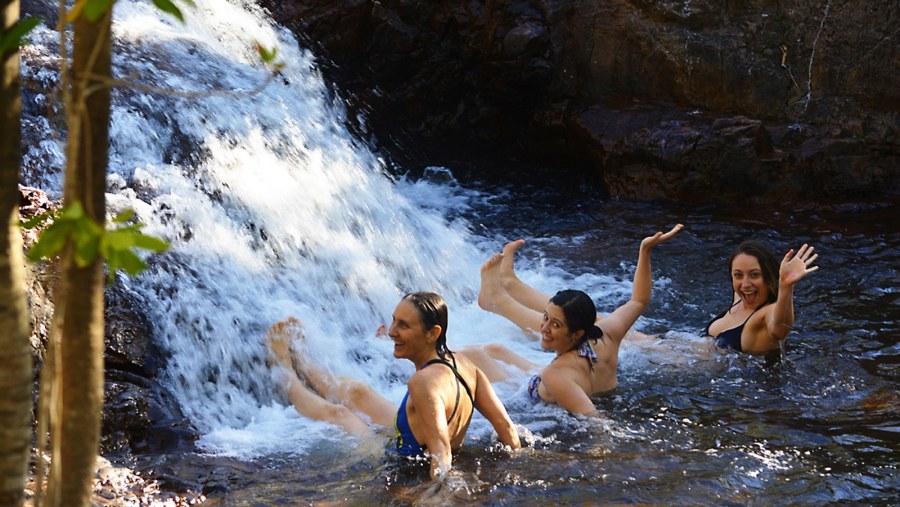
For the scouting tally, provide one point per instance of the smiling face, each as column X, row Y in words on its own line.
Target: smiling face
column 411, row 340
column 555, row 334
column 747, row 280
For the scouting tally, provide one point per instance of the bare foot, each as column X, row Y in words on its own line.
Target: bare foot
column 297, row 366
column 507, row 268
column 278, row 342
column 321, row 381
column 490, row 283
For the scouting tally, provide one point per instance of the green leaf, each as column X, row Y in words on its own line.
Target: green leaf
column 51, row 241
column 35, row 221
column 267, row 55
column 15, row 37
column 124, row 216
column 95, row 8
column 72, row 212
column 119, row 239
column 150, row 243
column 171, row 8
column 87, row 236
column 127, row 261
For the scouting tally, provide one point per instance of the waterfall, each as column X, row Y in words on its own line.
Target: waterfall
column 271, row 207
column 272, row 210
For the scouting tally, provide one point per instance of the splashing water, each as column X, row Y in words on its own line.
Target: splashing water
column 273, row 210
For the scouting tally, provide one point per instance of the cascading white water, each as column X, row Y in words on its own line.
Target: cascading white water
column 272, row 211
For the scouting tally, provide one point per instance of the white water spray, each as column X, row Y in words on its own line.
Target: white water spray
column 272, row 210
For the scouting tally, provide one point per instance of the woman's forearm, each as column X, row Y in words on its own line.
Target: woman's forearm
column 643, row 278
column 781, row 319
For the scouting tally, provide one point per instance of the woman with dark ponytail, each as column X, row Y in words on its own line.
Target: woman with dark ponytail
column 442, row 394
column 586, row 344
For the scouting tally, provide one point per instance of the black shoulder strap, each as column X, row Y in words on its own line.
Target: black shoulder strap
column 459, row 380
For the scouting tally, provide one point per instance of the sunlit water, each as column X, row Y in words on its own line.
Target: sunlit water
column 273, row 210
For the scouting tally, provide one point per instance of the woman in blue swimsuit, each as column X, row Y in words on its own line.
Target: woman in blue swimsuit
column 762, row 306
column 442, row 394
column 586, row 344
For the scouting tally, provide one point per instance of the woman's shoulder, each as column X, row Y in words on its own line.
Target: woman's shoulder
column 567, row 362
column 761, row 313
column 466, row 368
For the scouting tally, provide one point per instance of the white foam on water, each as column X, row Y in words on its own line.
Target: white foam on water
column 274, row 210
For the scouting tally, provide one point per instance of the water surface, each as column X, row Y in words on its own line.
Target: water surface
column 273, row 210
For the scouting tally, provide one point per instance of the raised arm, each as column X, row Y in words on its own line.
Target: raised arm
column 794, row 268
column 616, row 324
column 490, row 406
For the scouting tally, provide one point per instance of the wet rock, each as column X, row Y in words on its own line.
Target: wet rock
column 565, row 83
column 139, row 414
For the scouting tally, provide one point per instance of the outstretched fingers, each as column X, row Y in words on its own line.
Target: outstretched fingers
column 795, row 266
column 661, row 237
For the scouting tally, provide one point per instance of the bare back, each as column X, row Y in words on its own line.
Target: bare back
column 452, row 392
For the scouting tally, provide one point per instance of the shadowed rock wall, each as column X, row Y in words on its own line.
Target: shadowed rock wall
column 682, row 100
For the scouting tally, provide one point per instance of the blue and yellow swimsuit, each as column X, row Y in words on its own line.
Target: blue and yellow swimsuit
column 406, row 443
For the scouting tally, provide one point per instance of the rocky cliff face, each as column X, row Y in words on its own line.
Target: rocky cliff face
column 681, row 100
column 140, row 414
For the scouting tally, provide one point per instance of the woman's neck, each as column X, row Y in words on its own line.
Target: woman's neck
column 422, row 361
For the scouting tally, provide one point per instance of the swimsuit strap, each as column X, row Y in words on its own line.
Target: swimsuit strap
column 586, row 351
column 459, row 380
column 748, row 316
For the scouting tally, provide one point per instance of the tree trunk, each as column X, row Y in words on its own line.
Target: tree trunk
column 80, row 379
column 15, row 352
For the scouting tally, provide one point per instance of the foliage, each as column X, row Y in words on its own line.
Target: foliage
column 117, row 244
column 93, row 9
column 268, row 57
column 15, row 37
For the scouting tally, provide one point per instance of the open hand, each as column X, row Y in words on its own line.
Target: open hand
column 650, row 242
column 795, row 267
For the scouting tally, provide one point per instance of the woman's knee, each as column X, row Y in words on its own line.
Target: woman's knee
column 358, row 393
column 336, row 413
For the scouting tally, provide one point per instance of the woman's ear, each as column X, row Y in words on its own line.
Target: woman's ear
column 432, row 334
column 578, row 335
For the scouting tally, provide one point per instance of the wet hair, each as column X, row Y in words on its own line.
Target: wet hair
column 580, row 313
column 433, row 312
column 767, row 262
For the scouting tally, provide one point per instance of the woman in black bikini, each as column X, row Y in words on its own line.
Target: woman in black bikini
column 762, row 306
column 586, row 344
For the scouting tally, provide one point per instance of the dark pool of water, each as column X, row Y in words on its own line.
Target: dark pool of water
column 692, row 426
